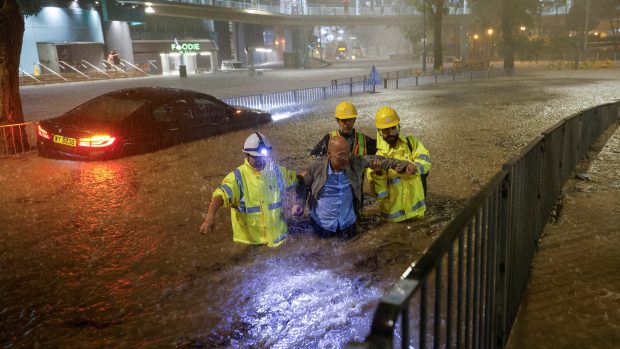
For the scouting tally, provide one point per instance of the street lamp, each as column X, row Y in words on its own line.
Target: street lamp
column 488, row 50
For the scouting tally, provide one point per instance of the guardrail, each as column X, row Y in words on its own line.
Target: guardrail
column 17, row 138
column 466, row 288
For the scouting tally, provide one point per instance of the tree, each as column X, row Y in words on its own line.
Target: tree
column 513, row 14
column 581, row 19
column 607, row 9
column 434, row 11
column 12, row 15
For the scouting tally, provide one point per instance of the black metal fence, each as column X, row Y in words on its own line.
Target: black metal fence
column 354, row 85
column 465, row 290
column 17, row 138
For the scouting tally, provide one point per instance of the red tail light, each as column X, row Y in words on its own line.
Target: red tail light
column 98, row 141
column 42, row 132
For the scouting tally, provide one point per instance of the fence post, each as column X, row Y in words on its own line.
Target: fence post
column 435, row 77
column 295, row 96
column 397, row 83
column 416, row 81
column 324, row 93
column 385, row 82
column 503, row 260
column 262, row 101
column 351, row 88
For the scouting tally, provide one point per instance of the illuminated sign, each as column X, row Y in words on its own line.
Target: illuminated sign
column 184, row 47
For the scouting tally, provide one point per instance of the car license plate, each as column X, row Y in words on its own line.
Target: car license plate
column 65, row 140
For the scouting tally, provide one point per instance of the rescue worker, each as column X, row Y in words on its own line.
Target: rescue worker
column 254, row 192
column 401, row 195
column 359, row 143
column 335, row 185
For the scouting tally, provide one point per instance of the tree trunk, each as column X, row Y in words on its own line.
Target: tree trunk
column 12, row 33
column 438, row 53
column 509, row 44
column 613, row 36
column 437, row 22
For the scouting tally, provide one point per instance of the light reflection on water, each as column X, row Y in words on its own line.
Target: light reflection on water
column 287, row 302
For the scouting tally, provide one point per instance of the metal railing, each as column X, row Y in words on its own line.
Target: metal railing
column 135, row 67
column 24, row 73
column 347, row 87
column 465, row 290
column 436, row 77
column 17, row 138
column 49, row 70
column 68, row 67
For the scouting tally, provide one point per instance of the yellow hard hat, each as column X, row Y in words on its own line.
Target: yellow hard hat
column 386, row 117
column 346, row 110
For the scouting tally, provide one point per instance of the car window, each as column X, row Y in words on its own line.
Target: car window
column 170, row 111
column 109, row 108
column 211, row 110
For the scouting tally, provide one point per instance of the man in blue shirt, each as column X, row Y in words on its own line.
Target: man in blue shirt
column 336, row 187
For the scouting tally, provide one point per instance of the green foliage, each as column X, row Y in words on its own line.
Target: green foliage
column 529, row 48
column 489, row 12
column 576, row 19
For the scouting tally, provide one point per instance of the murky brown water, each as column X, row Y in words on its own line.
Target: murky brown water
column 107, row 254
column 573, row 296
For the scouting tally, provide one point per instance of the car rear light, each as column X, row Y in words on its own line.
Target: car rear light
column 98, row 141
column 43, row 133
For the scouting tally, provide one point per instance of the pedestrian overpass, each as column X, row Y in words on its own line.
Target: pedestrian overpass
column 257, row 13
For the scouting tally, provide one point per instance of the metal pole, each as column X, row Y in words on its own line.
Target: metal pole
column 585, row 29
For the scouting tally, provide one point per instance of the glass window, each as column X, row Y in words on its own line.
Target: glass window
column 208, row 109
column 109, row 108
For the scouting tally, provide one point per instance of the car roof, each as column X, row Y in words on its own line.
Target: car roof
column 152, row 92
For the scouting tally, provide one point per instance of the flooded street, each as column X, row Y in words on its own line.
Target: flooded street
column 108, row 254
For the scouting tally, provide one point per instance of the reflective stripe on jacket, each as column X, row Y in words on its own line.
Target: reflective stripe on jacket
column 255, row 199
column 359, row 143
column 401, row 195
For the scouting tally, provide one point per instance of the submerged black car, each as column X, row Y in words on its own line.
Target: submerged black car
column 138, row 120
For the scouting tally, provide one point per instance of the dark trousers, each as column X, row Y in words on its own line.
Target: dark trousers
column 344, row 234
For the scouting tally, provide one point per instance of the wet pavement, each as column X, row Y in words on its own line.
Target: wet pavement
column 107, row 254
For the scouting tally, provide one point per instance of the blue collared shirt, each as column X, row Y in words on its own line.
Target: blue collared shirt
column 334, row 206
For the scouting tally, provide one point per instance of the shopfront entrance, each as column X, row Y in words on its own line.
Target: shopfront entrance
column 198, row 56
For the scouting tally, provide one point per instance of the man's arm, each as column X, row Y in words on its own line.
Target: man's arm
column 207, row 225
column 379, row 163
column 320, row 149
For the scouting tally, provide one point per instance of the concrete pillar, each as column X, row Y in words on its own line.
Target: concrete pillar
column 300, row 38
column 116, row 35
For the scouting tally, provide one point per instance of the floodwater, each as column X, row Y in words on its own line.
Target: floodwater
column 108, row 254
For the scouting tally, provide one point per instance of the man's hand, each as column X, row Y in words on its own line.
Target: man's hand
column 375, row 165
column 411, row 169
column 297, row 210
column 207, row 225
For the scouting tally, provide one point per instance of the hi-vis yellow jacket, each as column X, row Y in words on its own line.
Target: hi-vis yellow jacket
column 255, row 201
column 359, row 145
column 401, row 195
